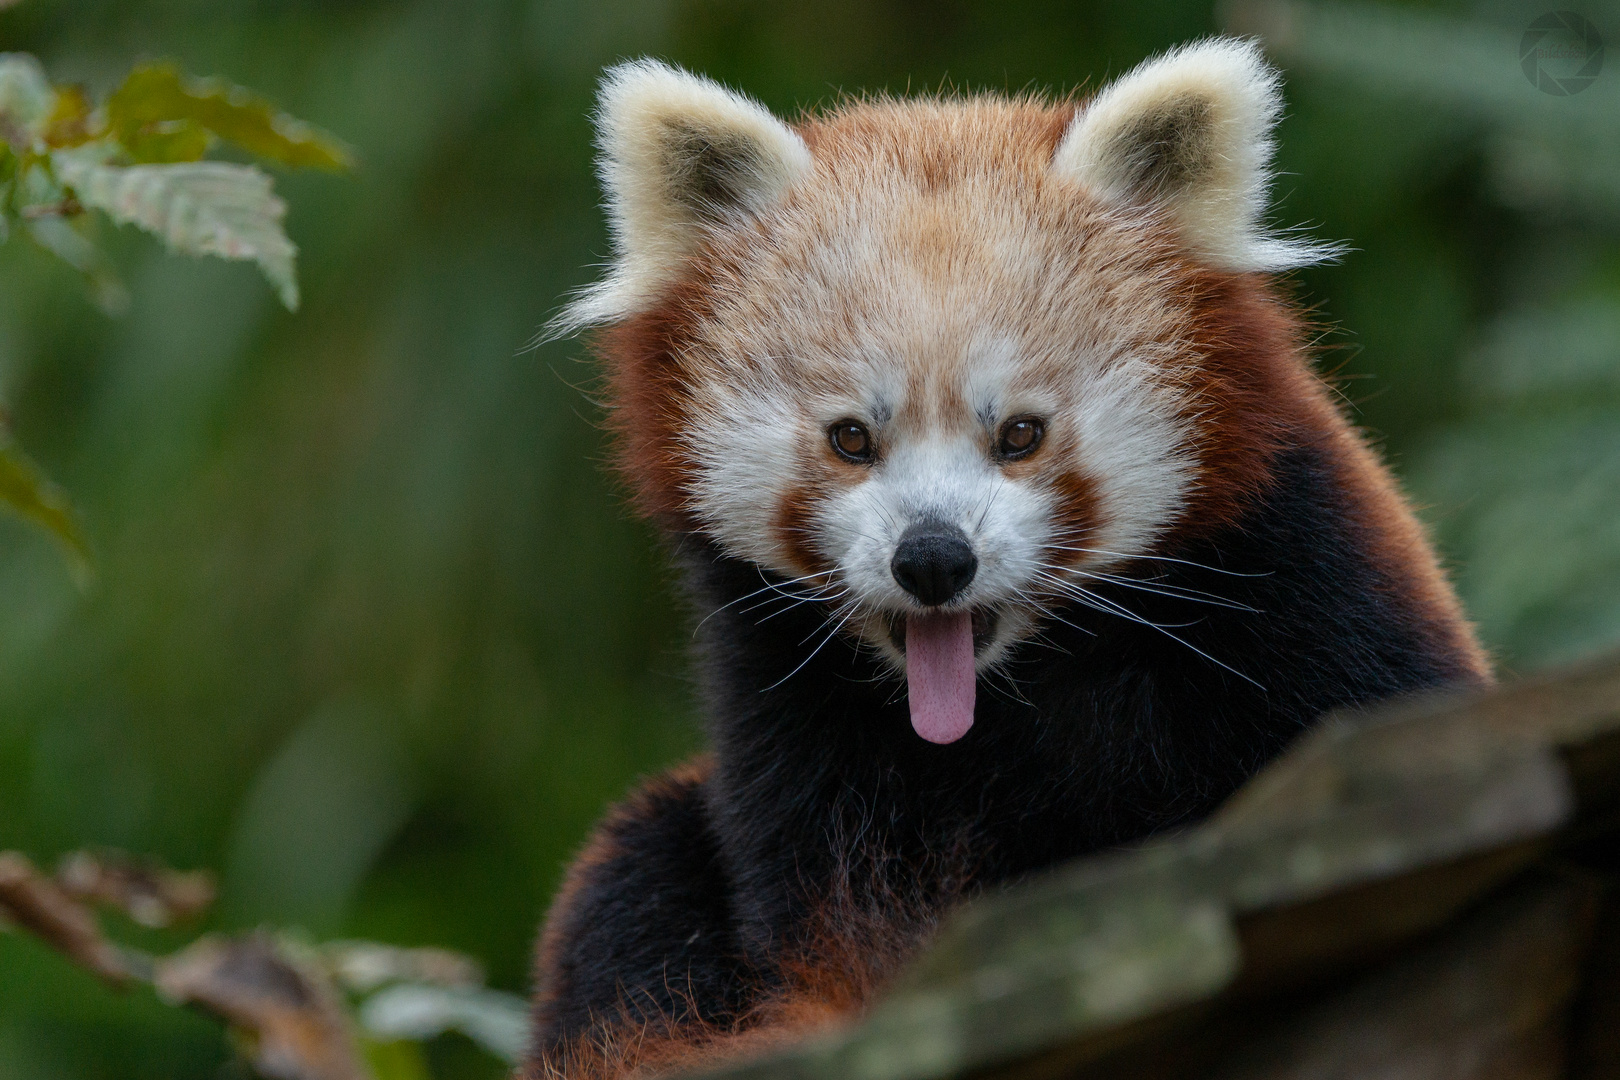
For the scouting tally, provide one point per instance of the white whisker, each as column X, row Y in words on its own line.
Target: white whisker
column 770, row 586
column 1174, row 592
column 1157, row 558
column 830, row 634
column 1102, row 603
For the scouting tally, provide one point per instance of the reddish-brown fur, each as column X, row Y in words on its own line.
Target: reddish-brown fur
column 1260, row 398
column 647, row 398
column 794, row 525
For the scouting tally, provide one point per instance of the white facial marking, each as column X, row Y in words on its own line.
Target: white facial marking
column 951, row 481
column 1113, row 419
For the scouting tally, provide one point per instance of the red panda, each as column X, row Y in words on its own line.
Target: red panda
column 1017, row 523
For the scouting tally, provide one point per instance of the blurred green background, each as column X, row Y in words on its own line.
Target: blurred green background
column 374, row 636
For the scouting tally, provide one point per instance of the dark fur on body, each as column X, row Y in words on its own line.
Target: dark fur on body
column 824, row 819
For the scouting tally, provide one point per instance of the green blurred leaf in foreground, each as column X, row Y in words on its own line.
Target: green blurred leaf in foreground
column 160, row 116
column 27, row 492
column 197, row 207
column 496, row 1021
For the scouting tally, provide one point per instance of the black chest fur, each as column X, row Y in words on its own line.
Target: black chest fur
column 826, row 818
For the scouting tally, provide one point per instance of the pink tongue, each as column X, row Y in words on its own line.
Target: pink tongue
column 939, row 675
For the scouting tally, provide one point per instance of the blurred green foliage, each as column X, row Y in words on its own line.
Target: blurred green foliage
column 372, row 632
column 138, row 159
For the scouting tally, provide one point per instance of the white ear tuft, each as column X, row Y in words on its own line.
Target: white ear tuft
column 679, row 154
column 1189, row 133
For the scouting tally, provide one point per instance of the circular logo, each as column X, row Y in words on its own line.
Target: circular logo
column 1561, row 53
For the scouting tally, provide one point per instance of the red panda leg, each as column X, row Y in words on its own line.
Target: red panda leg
column 639, row 957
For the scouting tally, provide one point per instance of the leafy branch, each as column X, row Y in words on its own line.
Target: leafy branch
column 346, row 1010
column 138, row 158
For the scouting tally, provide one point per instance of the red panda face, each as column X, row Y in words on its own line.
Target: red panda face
column 869, row 349
column 937, row 362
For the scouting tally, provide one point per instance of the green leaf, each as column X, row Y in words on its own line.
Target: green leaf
column 158, row 113
column 496, row 1021
column 69, row 121
column 27, row 492
column 200, row 207
column 168, row 141
column 25, row 100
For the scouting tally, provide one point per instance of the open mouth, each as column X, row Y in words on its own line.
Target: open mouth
column 984, row 628
column 941, row 649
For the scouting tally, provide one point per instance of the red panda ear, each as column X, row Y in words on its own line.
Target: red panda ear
column 1189, row 134
column 679, row 154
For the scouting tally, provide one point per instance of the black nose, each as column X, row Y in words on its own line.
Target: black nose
column 933, row 562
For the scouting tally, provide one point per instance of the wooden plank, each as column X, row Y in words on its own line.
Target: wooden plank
column 1487, row 1000
column 1372, row 831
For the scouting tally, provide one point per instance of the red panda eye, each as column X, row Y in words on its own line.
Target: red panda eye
column 1020, row 437
column 852, row 441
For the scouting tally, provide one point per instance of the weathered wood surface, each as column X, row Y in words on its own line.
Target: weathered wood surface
column 1412, row 893
column 1490, row 998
